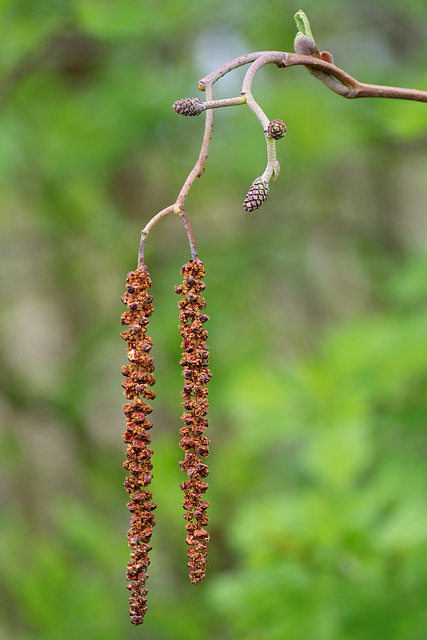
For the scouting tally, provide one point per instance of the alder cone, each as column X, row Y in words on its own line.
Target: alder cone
column 257, row 194
column 276, row 129
column 188, row 106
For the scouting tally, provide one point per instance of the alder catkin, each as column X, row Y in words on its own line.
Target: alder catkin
column 194, row 393
column 138, row 378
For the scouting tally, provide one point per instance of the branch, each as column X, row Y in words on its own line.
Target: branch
column 146, row 230
column 318, row 64
column 349, row 87
column 178, row 206
column 273, row 167
column 214, row 76
column 321, row 65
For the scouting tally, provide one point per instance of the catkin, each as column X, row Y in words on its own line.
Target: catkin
column 138, row 378
column 194, row 393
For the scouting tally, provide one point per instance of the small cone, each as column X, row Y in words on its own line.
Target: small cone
column 188, row 106
column 257, row 194
column 276, row 129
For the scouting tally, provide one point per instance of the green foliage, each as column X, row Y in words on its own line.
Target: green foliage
column 317, row 334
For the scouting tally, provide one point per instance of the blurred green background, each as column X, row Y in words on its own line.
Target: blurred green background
column 318, row 330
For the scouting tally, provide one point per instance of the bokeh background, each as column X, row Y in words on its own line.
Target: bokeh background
column 318, row 330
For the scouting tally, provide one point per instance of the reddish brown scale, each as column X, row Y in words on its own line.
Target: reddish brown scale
column 194, row 393
column 138, row 377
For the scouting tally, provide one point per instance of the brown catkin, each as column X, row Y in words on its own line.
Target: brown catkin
column 194, row 393
column 138, row 377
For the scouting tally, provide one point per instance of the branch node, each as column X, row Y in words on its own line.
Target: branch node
column 282, row 61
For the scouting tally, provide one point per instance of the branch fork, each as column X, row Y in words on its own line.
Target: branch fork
column 320, row 65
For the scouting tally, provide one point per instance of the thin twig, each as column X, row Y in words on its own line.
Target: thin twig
column 350, row 87
column 178, row 206
column 247, row 88
column 191, row 238
column 214, row 76
column 146, row 230
column 199, row 167
column 272, row 169
column 225, row 102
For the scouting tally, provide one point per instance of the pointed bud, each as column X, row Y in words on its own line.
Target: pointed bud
column 276, row 129
column 188, row 106
column 258, row 192
column 305, row 45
